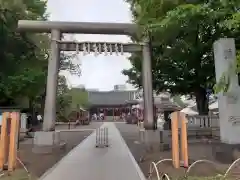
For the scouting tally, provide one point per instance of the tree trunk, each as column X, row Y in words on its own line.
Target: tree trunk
column 202, row 101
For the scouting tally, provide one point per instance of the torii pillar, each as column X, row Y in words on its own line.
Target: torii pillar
column 52, row 83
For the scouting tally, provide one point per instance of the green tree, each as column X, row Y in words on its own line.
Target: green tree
column 22, row 61
column 79, row 98
column 182, row 36
column 63, row 99
column 24, row 56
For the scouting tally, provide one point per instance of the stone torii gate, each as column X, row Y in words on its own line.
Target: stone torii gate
column 56, row 28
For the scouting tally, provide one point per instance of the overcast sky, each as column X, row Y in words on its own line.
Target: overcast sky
column 101, row 72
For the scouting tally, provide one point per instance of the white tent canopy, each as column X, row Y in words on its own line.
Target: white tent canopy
column 213, row 106
column 189, row 111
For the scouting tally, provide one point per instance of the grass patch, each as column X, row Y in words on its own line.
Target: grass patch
column 19, row 174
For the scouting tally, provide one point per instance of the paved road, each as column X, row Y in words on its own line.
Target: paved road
column 72, row 138
column 130, row 134
column 86, row 162
column 200, row 150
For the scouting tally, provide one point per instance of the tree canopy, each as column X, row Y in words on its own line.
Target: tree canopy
column 79, row 98
column 182, row 34
column 22, row 59
column 24, row 56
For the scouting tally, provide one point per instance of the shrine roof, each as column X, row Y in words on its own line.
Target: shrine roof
column 165, row 103
column 110, row 97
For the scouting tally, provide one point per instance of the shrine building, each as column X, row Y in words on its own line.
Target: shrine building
column 111, row 103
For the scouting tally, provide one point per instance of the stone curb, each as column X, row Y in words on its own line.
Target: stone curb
column 138, row 169
column 55, row 165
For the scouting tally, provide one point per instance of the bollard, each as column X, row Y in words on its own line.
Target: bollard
column 107, row 137
column 96, row 137
column 141, row 130
column 101, row 136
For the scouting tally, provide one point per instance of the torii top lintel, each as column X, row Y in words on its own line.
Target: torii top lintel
column 78, row 27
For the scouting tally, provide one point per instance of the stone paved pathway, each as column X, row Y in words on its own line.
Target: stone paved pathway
column 86, row 162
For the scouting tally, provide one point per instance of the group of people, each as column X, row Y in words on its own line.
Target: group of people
column 99, row 116
column 82, row 118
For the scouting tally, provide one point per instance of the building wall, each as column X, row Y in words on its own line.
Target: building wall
column 120, row 87
column 110, row 97
column 92, row 89
column 80, row 86
column 110, row 110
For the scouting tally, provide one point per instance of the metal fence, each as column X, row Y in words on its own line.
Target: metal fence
column 102, row 137
column 203, row 126
column 203, row 121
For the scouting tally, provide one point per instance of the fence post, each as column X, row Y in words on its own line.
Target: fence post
column 107, row 137
column 4, row 141
column 184, row 143
column 13, row 142
column 101, row 136
column 96, row 137
column 175, row 140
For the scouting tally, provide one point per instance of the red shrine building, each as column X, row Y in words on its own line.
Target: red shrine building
column 111, row 103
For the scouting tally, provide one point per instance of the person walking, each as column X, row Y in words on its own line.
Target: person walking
column 39, row 118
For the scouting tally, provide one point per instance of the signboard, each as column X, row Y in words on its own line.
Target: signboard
column 228, row 54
